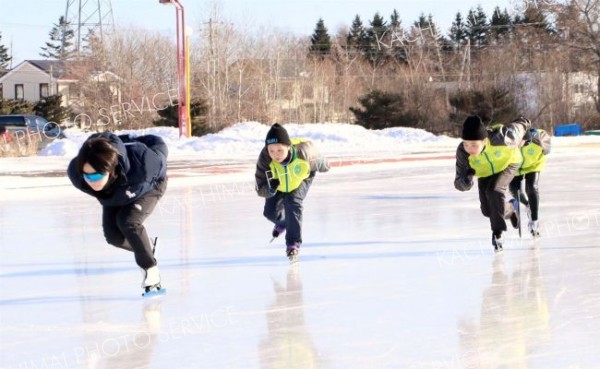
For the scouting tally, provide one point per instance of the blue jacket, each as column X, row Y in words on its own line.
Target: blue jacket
column 142, row 163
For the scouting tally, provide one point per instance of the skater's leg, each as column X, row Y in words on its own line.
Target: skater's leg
column 515, row 185
column 482, row 184
column 532, row 189
column 293, row 204
column 112, row 233
column 500, row 209
column 274, row 210
column 130, row 221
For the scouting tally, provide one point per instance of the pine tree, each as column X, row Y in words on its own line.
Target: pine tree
column 375, row 36
column 320, row 41
column 61, row 41
column 396, row 39
column 458, row 32
column 533, row 16
column 357, row 38
column 4, row 57
column 477, row 26
column 500, row 24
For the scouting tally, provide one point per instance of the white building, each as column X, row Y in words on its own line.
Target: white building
column 33, row 80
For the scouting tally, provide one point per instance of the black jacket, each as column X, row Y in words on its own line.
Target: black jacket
column 142, row 163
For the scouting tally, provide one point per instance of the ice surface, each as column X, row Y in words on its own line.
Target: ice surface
column 396, row 271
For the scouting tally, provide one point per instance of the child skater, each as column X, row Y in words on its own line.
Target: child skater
column 128, row 177
column 536, row 146
column 284, row 172
column 493, row 157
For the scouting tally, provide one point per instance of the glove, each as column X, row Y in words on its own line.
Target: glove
column 468, row 180
column 273, row 184
column 470, row 174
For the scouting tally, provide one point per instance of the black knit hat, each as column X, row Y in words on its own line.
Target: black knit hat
column 277, row 134
column 473, row 129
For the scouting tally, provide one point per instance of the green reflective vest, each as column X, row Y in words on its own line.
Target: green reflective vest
column 494, row 159
column 292, row 174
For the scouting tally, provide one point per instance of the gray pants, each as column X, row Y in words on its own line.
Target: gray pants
column 123, row 225
column 285, row 208
column 492, row 198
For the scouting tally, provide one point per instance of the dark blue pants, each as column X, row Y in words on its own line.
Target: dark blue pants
column 285, row 208
column 123, row 225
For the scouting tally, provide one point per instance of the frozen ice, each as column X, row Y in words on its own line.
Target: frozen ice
column 396, row 271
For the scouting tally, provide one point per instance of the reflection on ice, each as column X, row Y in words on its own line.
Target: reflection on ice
column 514, row 320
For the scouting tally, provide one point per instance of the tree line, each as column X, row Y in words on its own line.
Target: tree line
column 541, row 61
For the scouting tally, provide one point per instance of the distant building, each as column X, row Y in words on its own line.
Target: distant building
column 33, row 80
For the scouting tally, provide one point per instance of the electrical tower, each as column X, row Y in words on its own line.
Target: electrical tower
column 89, row 15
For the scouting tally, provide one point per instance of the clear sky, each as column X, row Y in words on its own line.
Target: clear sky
column 25, row 24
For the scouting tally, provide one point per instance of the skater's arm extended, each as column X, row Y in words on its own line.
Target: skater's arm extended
column 308, row 151
column 463, row 180
column 542, row 139
column 512, row 133
column 260, row 176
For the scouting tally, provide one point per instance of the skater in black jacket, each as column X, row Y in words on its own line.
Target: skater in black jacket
column 128, row 176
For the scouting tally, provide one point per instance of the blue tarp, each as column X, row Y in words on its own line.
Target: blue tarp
column 568, row 130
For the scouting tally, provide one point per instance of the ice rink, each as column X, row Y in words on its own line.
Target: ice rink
column 396, row 271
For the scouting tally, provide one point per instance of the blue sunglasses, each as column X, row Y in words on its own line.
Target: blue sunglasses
column 94, row 177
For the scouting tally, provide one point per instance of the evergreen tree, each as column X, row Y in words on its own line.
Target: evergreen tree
column 51, row 109
column 395, row 39
column 381, row 110
column 501, row 25
column 375, row 36
column 61, row 41
column 4, row 57
column 477, row 26
column 534, row 16
column 320, row 42
column 357, row 38
column 458, row 32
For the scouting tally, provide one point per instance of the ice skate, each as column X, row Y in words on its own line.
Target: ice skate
column 498, row 243
column 151, row 282
column 277, row 230
column 534, row 228
column 154, row 243
column 292, row 252
column 515, row 218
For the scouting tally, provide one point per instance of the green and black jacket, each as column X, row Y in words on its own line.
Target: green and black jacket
column 501, row 150
column 304, row 162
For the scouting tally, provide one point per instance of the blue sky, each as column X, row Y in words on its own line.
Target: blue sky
column 27, row 30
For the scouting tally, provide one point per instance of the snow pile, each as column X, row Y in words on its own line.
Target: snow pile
column 247, row 139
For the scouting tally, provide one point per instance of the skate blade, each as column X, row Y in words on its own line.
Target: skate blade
column 148, row 294
column 293, row 259
column 272, row 239
column 498, row 250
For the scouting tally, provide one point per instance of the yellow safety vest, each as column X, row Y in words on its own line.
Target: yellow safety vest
column 533, row 159
column 292, row 174
column 494, row 159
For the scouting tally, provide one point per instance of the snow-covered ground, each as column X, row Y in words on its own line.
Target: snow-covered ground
column 396, row 269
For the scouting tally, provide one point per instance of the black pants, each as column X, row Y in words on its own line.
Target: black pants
column 123, row 225
column 492, row 198
column 285, row 208
column 531, row 189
